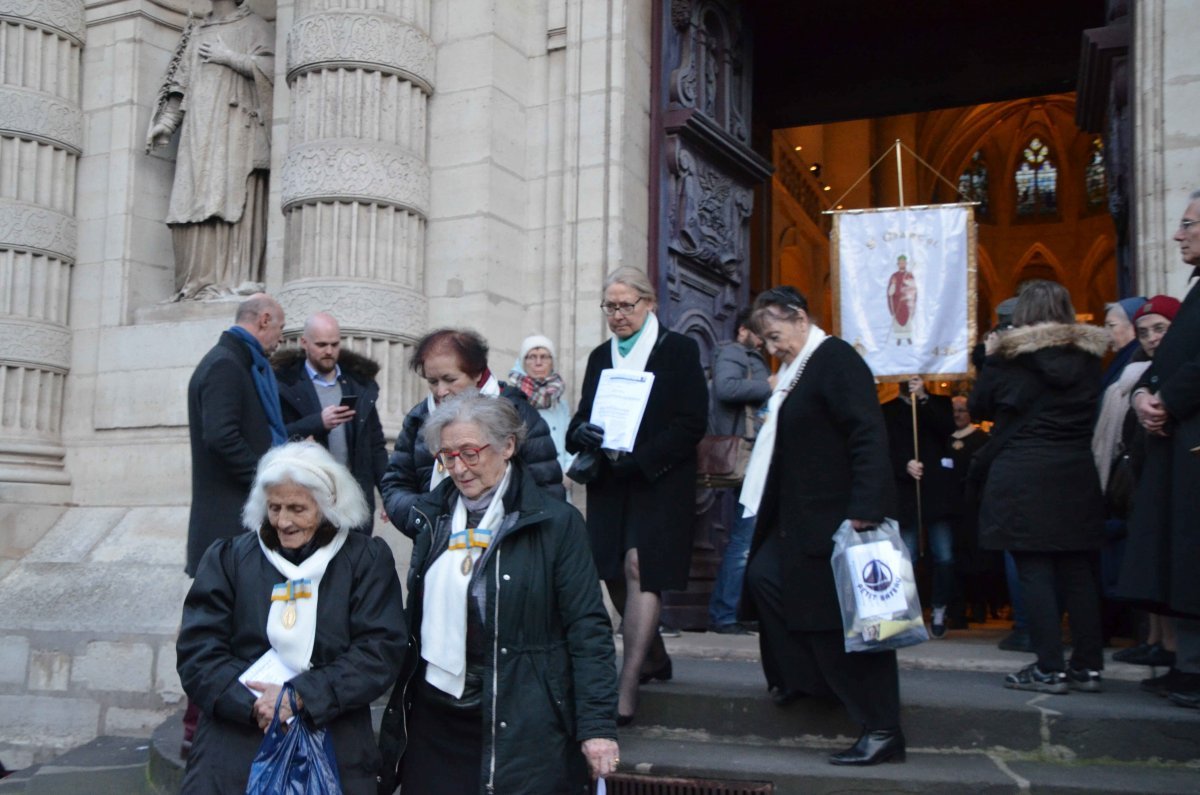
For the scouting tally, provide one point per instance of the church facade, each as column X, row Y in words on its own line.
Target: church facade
column 431, row 163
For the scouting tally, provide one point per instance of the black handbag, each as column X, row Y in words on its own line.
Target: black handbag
column 1122, row 483
column 585, row 467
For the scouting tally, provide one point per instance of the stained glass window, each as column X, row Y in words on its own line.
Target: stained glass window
column 973, row 183
column 1096, row 185
column 1037, row 180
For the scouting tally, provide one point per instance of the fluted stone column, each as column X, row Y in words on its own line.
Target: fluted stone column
column 355, row 180
column 40, row 143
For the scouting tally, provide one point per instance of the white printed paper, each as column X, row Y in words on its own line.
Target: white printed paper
column 620, row 402
column 269, row 668
column 878, row 586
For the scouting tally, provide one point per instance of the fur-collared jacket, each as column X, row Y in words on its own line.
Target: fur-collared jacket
column 1042, row 492
column 367, row 447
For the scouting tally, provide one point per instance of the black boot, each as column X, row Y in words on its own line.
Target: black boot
column 872, row 748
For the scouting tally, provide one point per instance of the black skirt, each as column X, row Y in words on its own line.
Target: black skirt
column 445, row 746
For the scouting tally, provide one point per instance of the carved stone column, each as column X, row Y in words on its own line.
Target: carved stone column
column 40, row 143
column 355, row 181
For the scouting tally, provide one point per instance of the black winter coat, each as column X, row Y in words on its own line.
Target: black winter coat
column 1042, row 493
column 1162, row 552
column 830, row 464
column 411, row 464
column 357, row 653
column 935, row 423
column 229, row 433
column 301, row 407
column 655, row 504
column 547, row 638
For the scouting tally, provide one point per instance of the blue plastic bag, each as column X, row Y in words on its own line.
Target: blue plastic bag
column 294, row 760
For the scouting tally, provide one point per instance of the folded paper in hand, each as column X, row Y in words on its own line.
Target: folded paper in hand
column 269, row 668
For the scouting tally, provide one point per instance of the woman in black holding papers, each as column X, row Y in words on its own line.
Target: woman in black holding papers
column 342, row 629
column 821, row 458
column 641, row 505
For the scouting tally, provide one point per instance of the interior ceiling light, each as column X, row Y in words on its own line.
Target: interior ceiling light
column 826, row 188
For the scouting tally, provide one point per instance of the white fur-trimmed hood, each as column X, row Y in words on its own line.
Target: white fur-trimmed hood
column 1030, row 339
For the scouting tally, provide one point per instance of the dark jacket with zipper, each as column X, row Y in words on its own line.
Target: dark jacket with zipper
column 366, row 445
column 551, row 677
column 411, row 465
column 1042, row 492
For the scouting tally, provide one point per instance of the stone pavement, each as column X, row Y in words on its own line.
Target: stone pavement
column 966, row 732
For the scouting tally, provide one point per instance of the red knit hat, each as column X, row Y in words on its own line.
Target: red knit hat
column 1163, row 305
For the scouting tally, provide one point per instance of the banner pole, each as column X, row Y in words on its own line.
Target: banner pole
column 917, row 484
column 899, row 173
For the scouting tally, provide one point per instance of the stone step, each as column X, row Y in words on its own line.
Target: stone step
column 959, row 711
column 105, row 765
column 805, row 770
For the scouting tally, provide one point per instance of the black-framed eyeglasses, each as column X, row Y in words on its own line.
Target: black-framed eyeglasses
column 623, row 308
column 468, row 455
column 1187, row 223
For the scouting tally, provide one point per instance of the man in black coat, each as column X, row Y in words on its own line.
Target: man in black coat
column 927, row 468
column 314, row 384
column 1162, row 553
column 233, row 418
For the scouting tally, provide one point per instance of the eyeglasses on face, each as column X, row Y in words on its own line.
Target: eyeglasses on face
column 538, row 357
column 468, row 455
column 623, row 308
column 1187, row 223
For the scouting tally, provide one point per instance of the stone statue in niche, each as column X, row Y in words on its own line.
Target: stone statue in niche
column 217, row 92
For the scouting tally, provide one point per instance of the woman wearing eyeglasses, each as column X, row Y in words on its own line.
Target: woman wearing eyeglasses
column 512, row 687
column 641, row 505
column 452, row 361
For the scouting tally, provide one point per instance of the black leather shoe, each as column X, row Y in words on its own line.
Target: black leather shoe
column 663, row 673
column 1191, row 699
column 872, row 748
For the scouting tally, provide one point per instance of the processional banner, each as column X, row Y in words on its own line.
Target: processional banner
column 904, row 288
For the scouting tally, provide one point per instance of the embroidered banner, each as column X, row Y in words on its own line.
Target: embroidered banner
column 904, row 288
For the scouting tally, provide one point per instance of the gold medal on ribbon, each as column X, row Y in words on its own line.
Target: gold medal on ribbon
column 466, row 565
column 289, row 616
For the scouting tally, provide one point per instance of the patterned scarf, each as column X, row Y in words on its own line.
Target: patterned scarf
column 542, row 392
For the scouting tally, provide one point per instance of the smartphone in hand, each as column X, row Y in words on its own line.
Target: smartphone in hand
column 349, row 401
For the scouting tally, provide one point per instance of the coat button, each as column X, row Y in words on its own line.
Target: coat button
column 503, row 725
column 504, row 650
column 506, row 577
column 783, row 533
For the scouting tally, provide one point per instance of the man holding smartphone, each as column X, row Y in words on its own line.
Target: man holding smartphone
column 328, row 394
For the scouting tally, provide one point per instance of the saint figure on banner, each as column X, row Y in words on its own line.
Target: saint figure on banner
column 902, row 301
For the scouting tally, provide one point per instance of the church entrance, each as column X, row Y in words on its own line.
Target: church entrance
column 765, row 114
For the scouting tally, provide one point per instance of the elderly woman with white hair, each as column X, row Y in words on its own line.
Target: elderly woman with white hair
column 535, row 373
column 512, row 686
column 324, row 600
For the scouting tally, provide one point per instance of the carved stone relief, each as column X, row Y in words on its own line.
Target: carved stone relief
column 372, row 41
column 32, row 228
column 43, row 345
column 342, row 170
column 62, row 16
column 711, row 76
column 359, row 306
column 43, row 117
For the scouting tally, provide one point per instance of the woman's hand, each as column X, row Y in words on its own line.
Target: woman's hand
column 1151, row 412
column 915, row 469
column 601, row 754
column 588, row 436
column 264, row 707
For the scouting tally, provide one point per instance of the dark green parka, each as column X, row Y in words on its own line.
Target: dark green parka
column 551, row 680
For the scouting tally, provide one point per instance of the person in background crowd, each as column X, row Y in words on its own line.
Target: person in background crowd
column 641, row 504
column 327, row 602
column 452, row 361
column 535, row 373
column 1151, row 322
column 233, row 418
column 1118, row 321
column 821, row 459
column 980, row 571
column 927, row 469
column 741, row 381
column 315, row 381
column 511, row 686
column 1042, row 500
column 1162, row 552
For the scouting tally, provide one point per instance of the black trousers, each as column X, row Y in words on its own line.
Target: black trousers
column 816, row 663
column 1045, row 578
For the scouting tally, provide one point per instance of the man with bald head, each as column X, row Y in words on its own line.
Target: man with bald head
column 329, row 393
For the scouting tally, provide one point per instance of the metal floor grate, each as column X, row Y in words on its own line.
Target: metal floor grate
column 630, row 784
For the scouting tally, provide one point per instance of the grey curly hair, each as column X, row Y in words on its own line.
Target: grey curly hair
column 496, row 417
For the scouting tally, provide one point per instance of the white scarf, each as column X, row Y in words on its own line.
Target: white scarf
column 639, row 354
column 491, row 388
column 764, row 444
column 1111, row 421
column 444, row 612
column 295, row 645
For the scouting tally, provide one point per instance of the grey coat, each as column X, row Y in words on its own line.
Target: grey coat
column 739, row 378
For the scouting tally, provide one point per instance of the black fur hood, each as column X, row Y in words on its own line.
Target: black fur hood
column 353, row 364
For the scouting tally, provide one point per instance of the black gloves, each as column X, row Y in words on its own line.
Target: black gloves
column 588, row 436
